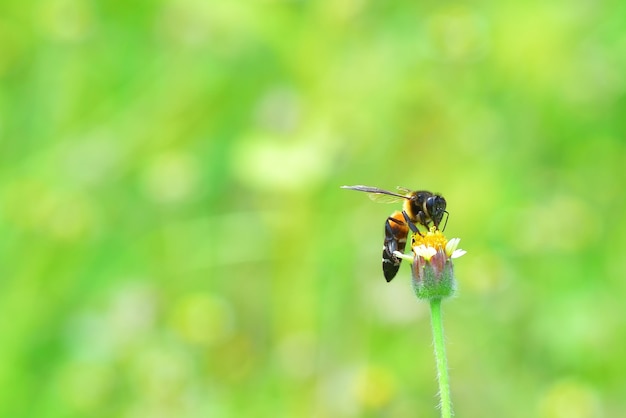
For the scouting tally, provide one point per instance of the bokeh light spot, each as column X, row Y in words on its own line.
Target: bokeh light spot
column 171, row 177
column 569, row 398
column 202, row 319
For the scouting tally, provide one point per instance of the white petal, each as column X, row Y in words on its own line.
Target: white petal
column 425, row 252
column 458, row 253
column 402, row 255
column 452, row 245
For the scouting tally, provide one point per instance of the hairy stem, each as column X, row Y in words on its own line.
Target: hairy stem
column 440, row 357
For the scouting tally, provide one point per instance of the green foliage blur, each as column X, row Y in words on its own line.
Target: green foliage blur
column 174, row 241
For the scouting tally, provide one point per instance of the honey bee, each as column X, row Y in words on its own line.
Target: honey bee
column 419, row 208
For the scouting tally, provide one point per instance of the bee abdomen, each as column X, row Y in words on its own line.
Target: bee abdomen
column 396, row 231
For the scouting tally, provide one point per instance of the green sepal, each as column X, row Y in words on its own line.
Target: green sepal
column 428, row 283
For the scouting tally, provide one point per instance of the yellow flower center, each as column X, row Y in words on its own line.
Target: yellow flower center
column 433, row 238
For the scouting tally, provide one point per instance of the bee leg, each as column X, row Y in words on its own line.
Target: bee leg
column 421, row 218
column 410, row 224
column 393, row 242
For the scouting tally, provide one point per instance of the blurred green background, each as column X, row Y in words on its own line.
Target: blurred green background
column 174, row 242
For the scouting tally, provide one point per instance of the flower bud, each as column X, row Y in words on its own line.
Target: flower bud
column 432, row 269
column 433, row 277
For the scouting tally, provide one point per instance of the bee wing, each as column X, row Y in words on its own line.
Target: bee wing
column 378, row 195
column 385, row 198
column 404, row 190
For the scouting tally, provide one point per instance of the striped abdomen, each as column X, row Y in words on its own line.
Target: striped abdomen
column 396, row 231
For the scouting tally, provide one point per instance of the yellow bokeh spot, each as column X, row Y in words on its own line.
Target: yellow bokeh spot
column 570, row 398
column 433, row 238
column 375, row 387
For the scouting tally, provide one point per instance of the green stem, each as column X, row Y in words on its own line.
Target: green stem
column 440, row 357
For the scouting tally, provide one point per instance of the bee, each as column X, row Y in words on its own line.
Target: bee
column 419, row 208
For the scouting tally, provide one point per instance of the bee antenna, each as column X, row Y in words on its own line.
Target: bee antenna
column 412, row 226
column 446, row 223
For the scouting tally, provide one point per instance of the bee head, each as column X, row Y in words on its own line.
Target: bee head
column 435, row 208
